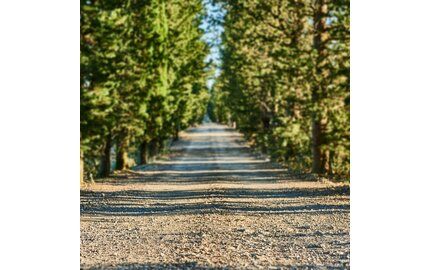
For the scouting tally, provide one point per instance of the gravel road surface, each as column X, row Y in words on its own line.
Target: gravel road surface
column 213, row 204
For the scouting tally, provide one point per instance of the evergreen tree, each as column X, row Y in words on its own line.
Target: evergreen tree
column 142, row 78
column 285, row 80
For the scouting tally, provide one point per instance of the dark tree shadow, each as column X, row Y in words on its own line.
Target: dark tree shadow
column 129, row 202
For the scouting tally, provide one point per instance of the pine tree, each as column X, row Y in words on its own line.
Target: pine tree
column 142, row 78
column 285, row 80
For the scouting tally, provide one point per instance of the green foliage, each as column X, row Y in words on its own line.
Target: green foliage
column 142, row 74
column 285, row 80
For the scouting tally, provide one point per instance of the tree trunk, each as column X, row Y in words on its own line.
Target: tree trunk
column 320, row 156
column 121, row 156
column 105, row 159
column 266, row 129
column 266, row 123
column 82, row 167
column 176, row 136
column 143, row 151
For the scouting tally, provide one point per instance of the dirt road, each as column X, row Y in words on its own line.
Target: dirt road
column 213, row 204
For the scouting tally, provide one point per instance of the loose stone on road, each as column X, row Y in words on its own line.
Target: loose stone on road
column 211, row 204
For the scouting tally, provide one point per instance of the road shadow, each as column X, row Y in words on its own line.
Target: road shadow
column 139, row 202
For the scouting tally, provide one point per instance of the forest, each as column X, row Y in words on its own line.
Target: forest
column 283, row 80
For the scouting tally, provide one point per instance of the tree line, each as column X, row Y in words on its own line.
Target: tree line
column 143, row 79
column 285, row 80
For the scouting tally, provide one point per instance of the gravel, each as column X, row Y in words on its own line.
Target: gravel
column 213, row 204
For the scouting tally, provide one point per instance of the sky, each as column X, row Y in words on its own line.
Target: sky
column 213, row 35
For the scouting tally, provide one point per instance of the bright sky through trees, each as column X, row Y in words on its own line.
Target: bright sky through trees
column 213, row 30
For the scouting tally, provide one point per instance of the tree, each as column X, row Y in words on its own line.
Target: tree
column 285, row 80
column 142, row 78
